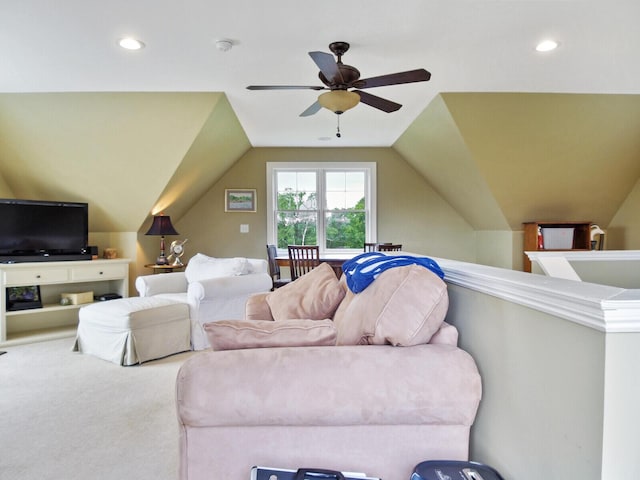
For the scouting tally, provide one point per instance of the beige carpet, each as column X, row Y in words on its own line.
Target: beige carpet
column 65, row 415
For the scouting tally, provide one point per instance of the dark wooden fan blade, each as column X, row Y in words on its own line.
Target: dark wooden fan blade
column 328, row 66
column 313, row 109
column 284, row 87
column 420, row 75
column 378, row 102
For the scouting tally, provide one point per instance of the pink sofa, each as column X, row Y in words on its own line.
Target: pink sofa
column 378, row 388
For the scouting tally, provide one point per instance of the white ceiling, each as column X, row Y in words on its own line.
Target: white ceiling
column 468, row 46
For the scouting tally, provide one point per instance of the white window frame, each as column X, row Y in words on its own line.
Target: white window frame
column 369, row 168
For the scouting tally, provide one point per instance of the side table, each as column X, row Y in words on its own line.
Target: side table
column 164, row 268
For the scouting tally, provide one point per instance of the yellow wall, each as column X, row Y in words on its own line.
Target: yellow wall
column 409, row 210
column 5, row 190
column 501, row 159
column 623, row 233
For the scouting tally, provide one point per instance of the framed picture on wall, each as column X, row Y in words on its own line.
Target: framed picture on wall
column 240, row 200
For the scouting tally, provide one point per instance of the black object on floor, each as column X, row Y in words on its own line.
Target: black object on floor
column 454, row 469
column 268, row 473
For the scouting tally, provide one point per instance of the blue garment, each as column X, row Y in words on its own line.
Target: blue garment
column 363, row 269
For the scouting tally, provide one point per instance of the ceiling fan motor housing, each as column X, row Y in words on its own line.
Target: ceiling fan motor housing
column 349, row 76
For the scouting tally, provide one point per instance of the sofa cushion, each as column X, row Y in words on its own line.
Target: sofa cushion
column 201, row 267
column 238, row 334
column 313, row 296
column 403, row 306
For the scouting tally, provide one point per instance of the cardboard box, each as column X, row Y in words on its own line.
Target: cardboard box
column 78, row 298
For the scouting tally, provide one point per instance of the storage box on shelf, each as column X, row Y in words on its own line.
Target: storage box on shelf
column 555, row 236
column 55, row 278
column 76, row 298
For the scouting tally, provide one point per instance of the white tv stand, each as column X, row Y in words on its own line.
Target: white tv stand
column 53, row 319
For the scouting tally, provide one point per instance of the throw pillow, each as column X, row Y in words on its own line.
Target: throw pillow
column 238, row 334
column 313, row 296
column 404, row 306
column 201, row 267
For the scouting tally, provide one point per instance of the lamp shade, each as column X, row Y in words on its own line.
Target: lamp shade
column 162, row 226
column 339, row 101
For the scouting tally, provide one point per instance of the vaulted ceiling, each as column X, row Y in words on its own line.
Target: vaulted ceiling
column 501, row 159
column 127, row 154
column 467, row 45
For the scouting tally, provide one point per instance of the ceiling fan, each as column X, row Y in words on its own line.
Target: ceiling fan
column 339, row 78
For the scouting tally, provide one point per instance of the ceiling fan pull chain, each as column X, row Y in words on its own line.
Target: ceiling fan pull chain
column 338, row 131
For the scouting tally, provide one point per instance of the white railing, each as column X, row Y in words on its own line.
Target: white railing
column 602, row 307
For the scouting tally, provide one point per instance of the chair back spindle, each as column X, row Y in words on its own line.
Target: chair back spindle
column 389, row 247
column 303, row 259
column 370, row 247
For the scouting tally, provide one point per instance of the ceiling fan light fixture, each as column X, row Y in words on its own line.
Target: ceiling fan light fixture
column 339, row 101
column 547, row 46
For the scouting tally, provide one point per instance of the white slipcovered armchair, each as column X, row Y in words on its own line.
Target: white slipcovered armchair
column 214, row 289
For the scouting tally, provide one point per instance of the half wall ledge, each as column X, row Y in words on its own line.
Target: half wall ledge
column 601, row 307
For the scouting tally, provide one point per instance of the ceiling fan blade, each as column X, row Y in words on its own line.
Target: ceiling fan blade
column 328, row 66
column 313, row 109
column 378, row 102
column 284, row 87
column 420, row 75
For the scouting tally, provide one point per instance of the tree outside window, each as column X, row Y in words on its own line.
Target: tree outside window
column 327, row 206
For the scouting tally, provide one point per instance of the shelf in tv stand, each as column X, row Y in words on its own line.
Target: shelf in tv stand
column 99, row 276
column 50, row 307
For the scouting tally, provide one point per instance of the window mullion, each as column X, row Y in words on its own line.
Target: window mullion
column 321, row 207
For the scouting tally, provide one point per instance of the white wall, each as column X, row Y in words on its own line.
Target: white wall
column 621, row 411
column 125, row 244
column 558, row 359
column 617, row 268
column 499, row 249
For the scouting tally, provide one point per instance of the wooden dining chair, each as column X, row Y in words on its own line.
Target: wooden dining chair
column 389, row 247
column 274, row 268
column 303, row 259
column 370, row 247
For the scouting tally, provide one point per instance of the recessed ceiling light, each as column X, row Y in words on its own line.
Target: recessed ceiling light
column 130, row 43
column 547, row 46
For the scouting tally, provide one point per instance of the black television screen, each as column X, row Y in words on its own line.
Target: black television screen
column 33, row 228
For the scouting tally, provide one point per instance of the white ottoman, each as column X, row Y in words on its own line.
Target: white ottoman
column 133, row 330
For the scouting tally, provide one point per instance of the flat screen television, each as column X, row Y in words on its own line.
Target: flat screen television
column 40, row 231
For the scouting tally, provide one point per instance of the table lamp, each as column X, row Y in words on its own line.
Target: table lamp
column 161, row 226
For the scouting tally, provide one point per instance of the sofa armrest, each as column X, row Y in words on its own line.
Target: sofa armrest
column 258, row 265
column 226, row 287
column 257, row 307
column 447, row 334
column 383, row 385
column 149, row 285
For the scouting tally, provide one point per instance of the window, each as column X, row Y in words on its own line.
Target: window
column 327, row 204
